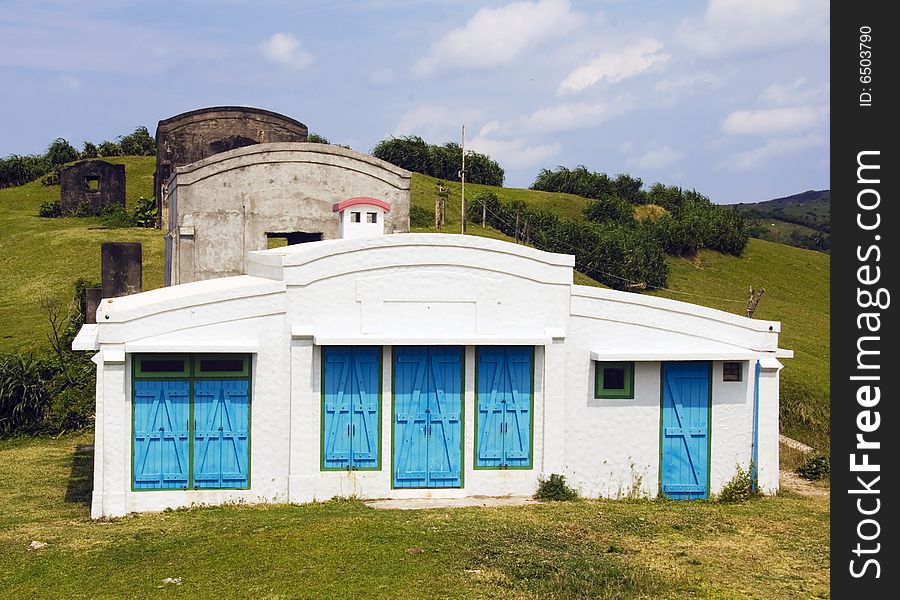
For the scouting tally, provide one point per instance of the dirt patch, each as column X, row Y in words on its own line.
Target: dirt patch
column 795, row 483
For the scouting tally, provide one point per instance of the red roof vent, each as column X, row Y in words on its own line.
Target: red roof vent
column 344, row 204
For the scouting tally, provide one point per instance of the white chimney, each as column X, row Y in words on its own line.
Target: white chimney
column 361, row 217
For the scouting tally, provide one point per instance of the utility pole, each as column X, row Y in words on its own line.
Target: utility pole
column 462, row 178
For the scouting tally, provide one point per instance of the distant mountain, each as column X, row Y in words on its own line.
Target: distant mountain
column 802, row 220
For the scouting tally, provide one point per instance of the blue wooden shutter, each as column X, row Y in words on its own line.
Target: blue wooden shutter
column 685, row 449
column 364, row 427
column 445, row 417
column 221, row 433
column 161, row 438
column 336, row 407
column 490, row 391
column 517, row 413
column 411, row 390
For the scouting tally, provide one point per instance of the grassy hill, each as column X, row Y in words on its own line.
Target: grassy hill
column 802, row 220
column 44, row 257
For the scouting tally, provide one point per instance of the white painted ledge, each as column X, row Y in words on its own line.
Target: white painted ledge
column 472, row 340
column 87, row 338
column 784, row 353
column 659, row 356
column 209, row 346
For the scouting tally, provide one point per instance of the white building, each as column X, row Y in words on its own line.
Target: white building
column 421, row 365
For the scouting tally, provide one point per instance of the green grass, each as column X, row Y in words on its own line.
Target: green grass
column 43, row 257
column 770, row 548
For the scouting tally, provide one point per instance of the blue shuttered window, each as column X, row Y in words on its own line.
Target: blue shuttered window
column 191, row 423
column 504, row 406
column 351, row 399
column 427, row 432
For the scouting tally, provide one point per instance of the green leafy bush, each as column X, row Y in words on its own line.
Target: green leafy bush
column 815, row 468
column 145, row 213
column 24, row 401
column 50, row 210
column 89, row 150
column 51, row 178
column 107, row 148
column 610, row 208
column 137, row 143
column 60, row 152
column 114, row 216
column 741, row 487
column 444, row 162
column 555, row 488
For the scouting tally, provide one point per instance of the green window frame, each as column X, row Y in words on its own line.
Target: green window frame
column 603, row 384
column 190, row 372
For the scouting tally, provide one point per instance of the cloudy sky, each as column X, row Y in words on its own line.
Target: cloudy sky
column 726, row 96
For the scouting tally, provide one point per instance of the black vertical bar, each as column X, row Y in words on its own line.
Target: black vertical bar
column 864, row 264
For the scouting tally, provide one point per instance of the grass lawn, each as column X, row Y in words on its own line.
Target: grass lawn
column 44, row 257
column 769, row 548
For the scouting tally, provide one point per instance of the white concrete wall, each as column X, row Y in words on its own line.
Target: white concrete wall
column 430, row 289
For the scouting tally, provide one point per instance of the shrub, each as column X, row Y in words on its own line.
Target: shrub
column 50, row 210
column 815, row 468
column 89, row 150
column 72, row 408
column 60, row 152
column 107, row 148
column 16, row 170
column 24, row 401
column 51, row 178
column 741, row 487
column 420, row 217
column 315, row 138
column 145, row 213
column 114, row 216
column 555, row 488
column 443, row 162
column 137, row 143
column 610, row 208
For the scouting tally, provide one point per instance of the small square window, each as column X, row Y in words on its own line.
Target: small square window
column 732, row 371
column 614, row 380
column 355, row 217
column 92, row 183
column 371, row 217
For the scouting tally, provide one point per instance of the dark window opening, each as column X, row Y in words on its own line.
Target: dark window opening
column 371, row 217
column 280, row 239
column 162, row 365
column 221, row 365
column 355, row 217
column 613, row 378
column 732, row 371
column 92, row 183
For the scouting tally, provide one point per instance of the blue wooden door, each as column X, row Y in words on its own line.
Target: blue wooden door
column 221, row 433
column 427, row 416
column 161, row 436
column 685, row 430
column 504, row 407
column 351, row 398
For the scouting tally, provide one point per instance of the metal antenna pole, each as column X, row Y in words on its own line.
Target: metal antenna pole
column 462, row 176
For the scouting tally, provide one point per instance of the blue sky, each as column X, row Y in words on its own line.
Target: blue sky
column 726, row 96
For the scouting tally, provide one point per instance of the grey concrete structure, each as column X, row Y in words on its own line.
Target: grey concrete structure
column 231, row 203
column 198, row 134
column 92, row 298
column 121, row 269
column 87, row 186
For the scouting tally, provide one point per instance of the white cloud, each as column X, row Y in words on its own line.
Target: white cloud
column 735, row 26
column 575, row 115
column 758, row 157
column 615, row 66
column 687, row 83
column 773, row 120
column 434, row 122
column 497, row 36
column 285, row 49
column 70, row 82
column 656, row 158
column 796, row 92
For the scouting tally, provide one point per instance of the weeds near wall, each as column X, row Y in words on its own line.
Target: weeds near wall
column 555, row 488
column 741, row 487
column 815, row 468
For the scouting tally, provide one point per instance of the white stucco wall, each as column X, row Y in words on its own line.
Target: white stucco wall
column 425, row 289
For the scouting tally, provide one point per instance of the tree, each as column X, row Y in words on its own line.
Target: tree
column 89, row 150
column 138, row 143
column 60, row 152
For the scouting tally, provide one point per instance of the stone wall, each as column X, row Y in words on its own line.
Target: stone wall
column 89, row 185
column 198, row 134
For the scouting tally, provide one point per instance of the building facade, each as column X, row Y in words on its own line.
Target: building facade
column 421, row 366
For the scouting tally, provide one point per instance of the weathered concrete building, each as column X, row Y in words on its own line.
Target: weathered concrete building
column 197, row 134
column 229, row 204
column 86, row 187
